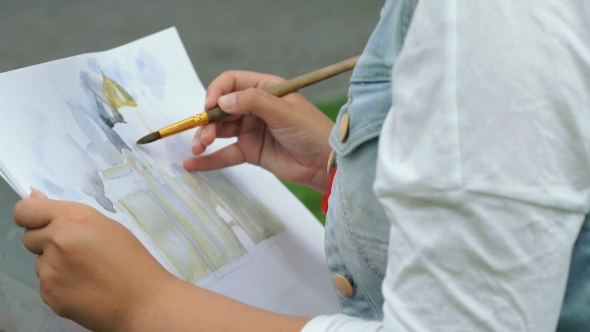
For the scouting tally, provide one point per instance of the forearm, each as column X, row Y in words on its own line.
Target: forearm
column 180, row 306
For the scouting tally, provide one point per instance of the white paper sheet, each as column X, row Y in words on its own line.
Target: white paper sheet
column 69, row 128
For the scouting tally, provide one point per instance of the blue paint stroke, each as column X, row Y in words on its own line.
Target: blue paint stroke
column 93, row 65
column 96, row 111
column 151, row 73
column 40, row 132
column 94, row 187
column 118, row 73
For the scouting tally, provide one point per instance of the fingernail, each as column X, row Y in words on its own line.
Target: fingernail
column 227, row 102
column 206, row 99
column 37, row 192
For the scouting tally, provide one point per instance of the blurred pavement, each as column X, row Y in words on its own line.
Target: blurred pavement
column 285, row 38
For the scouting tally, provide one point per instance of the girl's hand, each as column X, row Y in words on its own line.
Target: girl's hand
column 287, row 136
column 91, row 269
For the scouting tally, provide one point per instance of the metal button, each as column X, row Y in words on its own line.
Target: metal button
column 331, row 162
column 343, row 285
column 343, row 129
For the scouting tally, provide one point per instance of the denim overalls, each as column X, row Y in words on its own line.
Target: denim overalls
column 357, row 230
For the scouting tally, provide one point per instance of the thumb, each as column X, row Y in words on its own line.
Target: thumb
column 273, row 110
column 35, row 193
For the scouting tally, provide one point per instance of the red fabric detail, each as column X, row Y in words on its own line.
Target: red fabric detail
column 327, row 195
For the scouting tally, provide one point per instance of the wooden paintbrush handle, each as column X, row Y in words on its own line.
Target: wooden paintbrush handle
column 296, row 83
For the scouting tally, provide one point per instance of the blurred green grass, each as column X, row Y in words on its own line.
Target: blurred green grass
column 311, row 198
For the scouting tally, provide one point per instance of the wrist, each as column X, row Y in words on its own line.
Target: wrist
column 181, row 306
column 147, row 310
column 320, row 182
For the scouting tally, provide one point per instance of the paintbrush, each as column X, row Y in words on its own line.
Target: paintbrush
column 278, row 90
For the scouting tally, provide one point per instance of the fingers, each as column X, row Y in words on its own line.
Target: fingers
column 35, row 212
column 29, row 214
column 272, row 110
column 207, row 134
column 35, row 193
column 39, row 264
column 228, row 156
column 237, row 80
column 35, row 240
column 198, row 145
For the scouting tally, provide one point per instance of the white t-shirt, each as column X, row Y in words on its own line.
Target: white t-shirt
column 483, row 167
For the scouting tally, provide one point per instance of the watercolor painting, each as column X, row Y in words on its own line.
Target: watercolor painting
column 198, row 222
column 195, row 222
column 217, row 229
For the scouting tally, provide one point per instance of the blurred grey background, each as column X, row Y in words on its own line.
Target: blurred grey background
column 282, row 37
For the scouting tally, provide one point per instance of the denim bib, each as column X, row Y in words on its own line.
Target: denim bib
column 357, row 229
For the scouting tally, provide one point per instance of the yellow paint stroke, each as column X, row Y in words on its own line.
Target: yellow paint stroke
column 209, row 246
column 118, row 97
column 115, row 94
column 215, row 189
column 165, row 235
column 208, row 218
column 182, row 211
column 143, row 121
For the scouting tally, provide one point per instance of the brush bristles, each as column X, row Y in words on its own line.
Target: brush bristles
column 150, row 138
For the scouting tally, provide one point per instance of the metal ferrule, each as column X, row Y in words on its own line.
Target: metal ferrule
column 186, row 124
